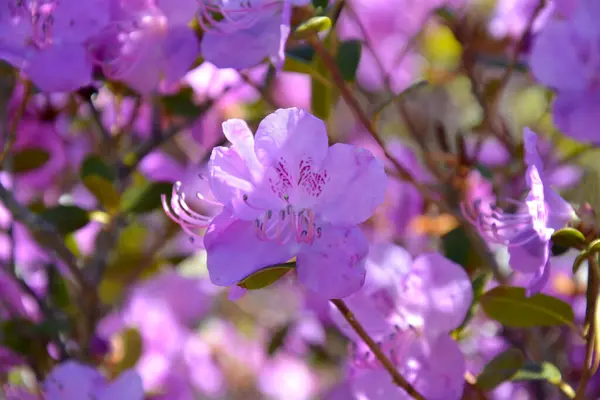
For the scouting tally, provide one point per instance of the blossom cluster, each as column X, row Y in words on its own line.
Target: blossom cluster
column 296, row 200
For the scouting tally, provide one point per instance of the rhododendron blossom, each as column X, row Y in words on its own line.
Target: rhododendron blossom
column 287, row 194
column 248, row 32
column 527, row 232
column 409, row 307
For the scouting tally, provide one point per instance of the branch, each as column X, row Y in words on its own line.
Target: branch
column 590, row 364
column 387, row 364
column 46, row 235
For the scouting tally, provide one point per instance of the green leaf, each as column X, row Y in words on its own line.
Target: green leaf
column 266, row 276
column 103, row 190
column 29, row 159
column 182, row 103
column 303, row 52
column 66, row 219
column 538, row 372
column 579, row 260
column 312, row 26
column 277, row 339
column 457, row 247
column 568, row 237
column 320, row 3
column 99, row 179
column 145, row 198
column 478, row 285
column 132, row 346
column 321, row 93
column 509, row 306
column 95, row 166
column 304, row 67
column 58, row 290
column 348, row 57
column 500, row 369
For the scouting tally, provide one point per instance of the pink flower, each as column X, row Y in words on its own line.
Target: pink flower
column 286, row 193
column 409, row 307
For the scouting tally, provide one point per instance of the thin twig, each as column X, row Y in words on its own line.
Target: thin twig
column 156, row 141
column 387, row 364
column 46, row 234
column 336, row 75
column 103, row 133
column 590, row 320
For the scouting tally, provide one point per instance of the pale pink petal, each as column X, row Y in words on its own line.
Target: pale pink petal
column 356, row 188
column 436, row 294
column 235, row 252
column 334, row 266
column 294, row 135
column 128, row 386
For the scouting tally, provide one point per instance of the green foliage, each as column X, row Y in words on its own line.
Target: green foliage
column 99, row 179
column 132, row 347
column 568, row 237
column 500, row 369
column 348, row 57
column 509, row 306
column 266, row 276
column 144, row 198
column 181, row 103
column 538, row 372
column 29, row 159
column 66, row 218
column 278, row 339
column 312, row 26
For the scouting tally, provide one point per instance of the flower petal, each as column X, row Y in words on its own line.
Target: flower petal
column 230, row 179
column 435, row 368
column 568, row 74
column 292, row 134
column 180, row 50
column 128, row 386
column 293, row 144
column 235, row 252
column 539, row 279
column 72, row 380
column 240, row 136
column 243, row 48
column 532, row 155
column 356, row 188
column 531, row 256
column 72, row 68
column 334, row 265
column 574, row 113
column 436, row 294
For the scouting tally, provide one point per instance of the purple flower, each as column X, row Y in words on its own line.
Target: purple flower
column 48, row 40
column 174, row 358
column 575, row 78
column 148, row 42
column 409, row 307
column 74, row 381
column 249, row 32
column 287, row 194
column 527, row 232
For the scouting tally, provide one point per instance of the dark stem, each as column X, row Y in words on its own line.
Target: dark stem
column 590, row 364
column 374, row 347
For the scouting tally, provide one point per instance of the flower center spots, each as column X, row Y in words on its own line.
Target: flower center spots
column 311, row 182
column 286, row 225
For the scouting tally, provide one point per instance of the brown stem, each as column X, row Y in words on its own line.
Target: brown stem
column 404, row 174
column 360, row 114
column 590, row 365
column 374, row 347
